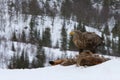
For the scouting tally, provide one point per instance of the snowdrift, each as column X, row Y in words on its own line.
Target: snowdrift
column 108, row 70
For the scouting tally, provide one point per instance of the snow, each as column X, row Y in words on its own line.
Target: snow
column 106, row 71
column 90, row 29
column 16, row 22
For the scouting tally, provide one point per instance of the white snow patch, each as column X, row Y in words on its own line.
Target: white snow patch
column 106, row 71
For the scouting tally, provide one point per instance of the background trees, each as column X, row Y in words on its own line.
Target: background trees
column 63, row 38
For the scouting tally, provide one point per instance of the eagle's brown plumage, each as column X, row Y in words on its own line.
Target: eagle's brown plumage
column 86, row 40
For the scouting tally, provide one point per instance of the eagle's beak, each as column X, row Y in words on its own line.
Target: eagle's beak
column 72, row 33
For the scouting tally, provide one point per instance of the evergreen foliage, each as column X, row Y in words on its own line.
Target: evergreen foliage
column 119, row 45
column 19, row 62
column 81, row 27
column 46, row 37
column 14, row 38
column 23, row 36
column 57, row 45
column 116, row 29
column 66, row 9
column 34, row 34
column 13, row 47
column 63, row 38
column 106, row 30
column 40, row 58
column 34, row 8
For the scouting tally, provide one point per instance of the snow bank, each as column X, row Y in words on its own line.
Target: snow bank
column 105, row 71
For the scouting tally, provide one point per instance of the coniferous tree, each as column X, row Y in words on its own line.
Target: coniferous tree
column 66, row 9
column 63, row 38
column 46, row 37
column 19, row 61
column 39, row 60
column 13, row 47
column 116, row 29
column 108, row 45
column 107, row 30
column 12, row 63
column 101, row 48
column 57, row 44
column 47, row 8
column 23, row 36
column 32, row 31
column 14, row 37
column 105, row 11
column 118, row 45
column 26, row 60
column 34, row 8
column 114, row 48
column 81, row 27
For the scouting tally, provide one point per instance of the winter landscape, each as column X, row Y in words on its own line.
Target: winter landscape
column 34, row 32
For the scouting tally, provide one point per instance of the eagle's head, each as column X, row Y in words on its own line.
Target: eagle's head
column 72, row 33
column 75, row 32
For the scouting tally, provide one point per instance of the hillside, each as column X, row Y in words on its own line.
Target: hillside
column 39, row 28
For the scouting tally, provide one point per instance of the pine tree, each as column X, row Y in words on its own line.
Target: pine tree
column 19, row 61
column 26, row 60
column 40, row 58
column 47, row 8
column 107, row 30
column 114, row 48
column 108, row 45
column 116, row 29
column 12, row 63
column 81, row 27
column 57, row 44
column 66, row 9
column 34, row 8
column 23, row 36
column 13, row 47
column 118, row 45
column 32, row 31
column 14, row 38
column 105, row 11
column 46, row 38
column 63, row 38
column 101, row 48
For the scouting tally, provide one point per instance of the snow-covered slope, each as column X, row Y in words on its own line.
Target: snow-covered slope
column 106, row 71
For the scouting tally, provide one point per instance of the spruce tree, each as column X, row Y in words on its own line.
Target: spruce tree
column 40, row 58
column 66, row 9
column 13, row 47
column 114, row 48
column 33, row 31
column 63, row 38
column 34, row 8
column 81, row 27
column 23, row 36
column 14, row 37
column 116, row 29
column 107, row 30
column 57, row 44
column 118, row 45
column 108, row 45
column 46, row 38
column 19, row 61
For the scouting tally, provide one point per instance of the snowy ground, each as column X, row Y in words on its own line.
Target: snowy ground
column 106, row 71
